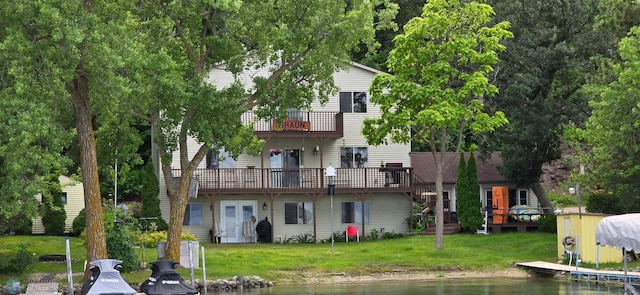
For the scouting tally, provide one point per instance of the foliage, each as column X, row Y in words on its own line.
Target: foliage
column 612, row 129
column 21, row 263
column 392, row 235
column 562, row 200
column 150, row 201
column 437, row 83
column 77, row 227
column 301, row 238
column 603, row 202
column 373, row 235
column 562, row 52
column 467, row 199
column 120, row 246
column 548, row 224
column 151, row 239
column 54, row 218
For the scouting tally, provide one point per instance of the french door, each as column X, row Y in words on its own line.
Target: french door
column 232, row 216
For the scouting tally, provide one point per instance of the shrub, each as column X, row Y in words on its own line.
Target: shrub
column 21, row 263
column 606, row 203
column 392, row 235
column 301, row 238
column 151, row 239
column 373, row 235
column 54, row 217
column 548, row 224
column 150, row 202
column 79, row 223
column 120, row 246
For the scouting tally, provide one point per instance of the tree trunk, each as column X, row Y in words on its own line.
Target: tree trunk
column 543, row 198
column 439, row 209
column 96, row 243
column 178, row 205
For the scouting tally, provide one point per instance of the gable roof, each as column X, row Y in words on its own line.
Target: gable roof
column 425, row 168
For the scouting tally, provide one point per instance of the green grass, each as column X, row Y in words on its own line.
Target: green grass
column 295, row 262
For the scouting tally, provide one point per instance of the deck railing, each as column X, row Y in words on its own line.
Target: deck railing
column 301, row 178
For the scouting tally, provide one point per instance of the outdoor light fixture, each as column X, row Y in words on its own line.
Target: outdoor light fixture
column 316, row 150
column 264, row 206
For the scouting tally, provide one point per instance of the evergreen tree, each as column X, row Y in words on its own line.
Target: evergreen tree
column 462, row 192
column 473, row 208
column 150, row 202
column 54, row 216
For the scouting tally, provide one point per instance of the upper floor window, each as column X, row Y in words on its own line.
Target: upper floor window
column 354, row 157
column 220, row 159
column 353, row 102
column 64, row 198
column 193, row 215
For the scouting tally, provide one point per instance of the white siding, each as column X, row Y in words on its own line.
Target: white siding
column 75, row 203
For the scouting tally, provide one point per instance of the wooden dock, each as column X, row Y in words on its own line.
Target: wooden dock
column 581, row 273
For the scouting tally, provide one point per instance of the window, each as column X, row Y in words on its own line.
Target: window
column 64, row 198
column 298, row 213
column 522, row 197
column 352, row 212
column 193, row 215
column 354, row 157
column 353, row 102
column 220, row 159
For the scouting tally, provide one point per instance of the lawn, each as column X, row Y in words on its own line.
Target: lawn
column 293, row 262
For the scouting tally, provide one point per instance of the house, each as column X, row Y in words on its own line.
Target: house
column 73, row 200
column 490, row 181
column 287, row 185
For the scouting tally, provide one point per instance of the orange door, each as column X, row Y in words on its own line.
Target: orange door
column 500, row 204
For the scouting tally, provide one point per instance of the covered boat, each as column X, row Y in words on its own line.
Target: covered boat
column 165, row 280
column 105, row 279
column 622, row 232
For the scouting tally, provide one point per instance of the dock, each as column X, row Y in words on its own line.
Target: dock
column 581, row 273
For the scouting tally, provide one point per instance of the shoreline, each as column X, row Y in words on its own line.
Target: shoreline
column 341, row 278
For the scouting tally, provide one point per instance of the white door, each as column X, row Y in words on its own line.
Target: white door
column 232, row 215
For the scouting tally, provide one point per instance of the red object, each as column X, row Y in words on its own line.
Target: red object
column 500, row 204
column 352, row 231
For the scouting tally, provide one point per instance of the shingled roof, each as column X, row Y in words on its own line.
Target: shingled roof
column 424, row 167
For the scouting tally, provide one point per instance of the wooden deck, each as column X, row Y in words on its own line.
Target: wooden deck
column 581, row 273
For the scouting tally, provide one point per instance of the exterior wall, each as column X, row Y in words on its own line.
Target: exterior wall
column 584, row 230
column 75, row 203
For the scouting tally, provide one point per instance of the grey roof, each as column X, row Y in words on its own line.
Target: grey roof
column 424, row 167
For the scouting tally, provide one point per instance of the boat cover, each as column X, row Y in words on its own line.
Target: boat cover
column 105, row 279
column 165, row 280
column 620, row 231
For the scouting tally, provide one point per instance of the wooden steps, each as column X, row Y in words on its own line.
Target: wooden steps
column 449, row 229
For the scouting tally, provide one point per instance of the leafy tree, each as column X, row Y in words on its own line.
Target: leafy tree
column 612, row 129
column 120, row 246
column 440, row 68
column 150, row 202
column 71, row 56
column 55, row 216
column 300, row 43
column 541, row 80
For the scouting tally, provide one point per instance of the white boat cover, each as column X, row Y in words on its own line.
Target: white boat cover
column 620, row 231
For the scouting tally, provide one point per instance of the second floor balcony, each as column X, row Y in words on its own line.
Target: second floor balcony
column 299, row 124
column 302, row 180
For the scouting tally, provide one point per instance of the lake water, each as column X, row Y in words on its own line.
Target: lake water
column 530, row 286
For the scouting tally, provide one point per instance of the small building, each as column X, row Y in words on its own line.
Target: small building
column 73, row 200
column 582, row 228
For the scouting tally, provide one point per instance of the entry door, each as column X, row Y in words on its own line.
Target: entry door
column 285, row 167
column 232, row 215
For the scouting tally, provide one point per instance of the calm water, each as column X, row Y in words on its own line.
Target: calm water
column 531, row 286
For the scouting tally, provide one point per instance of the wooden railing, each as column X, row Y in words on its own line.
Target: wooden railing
column 243, row 179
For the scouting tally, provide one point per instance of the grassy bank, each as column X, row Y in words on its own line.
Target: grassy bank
column 295, row 262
